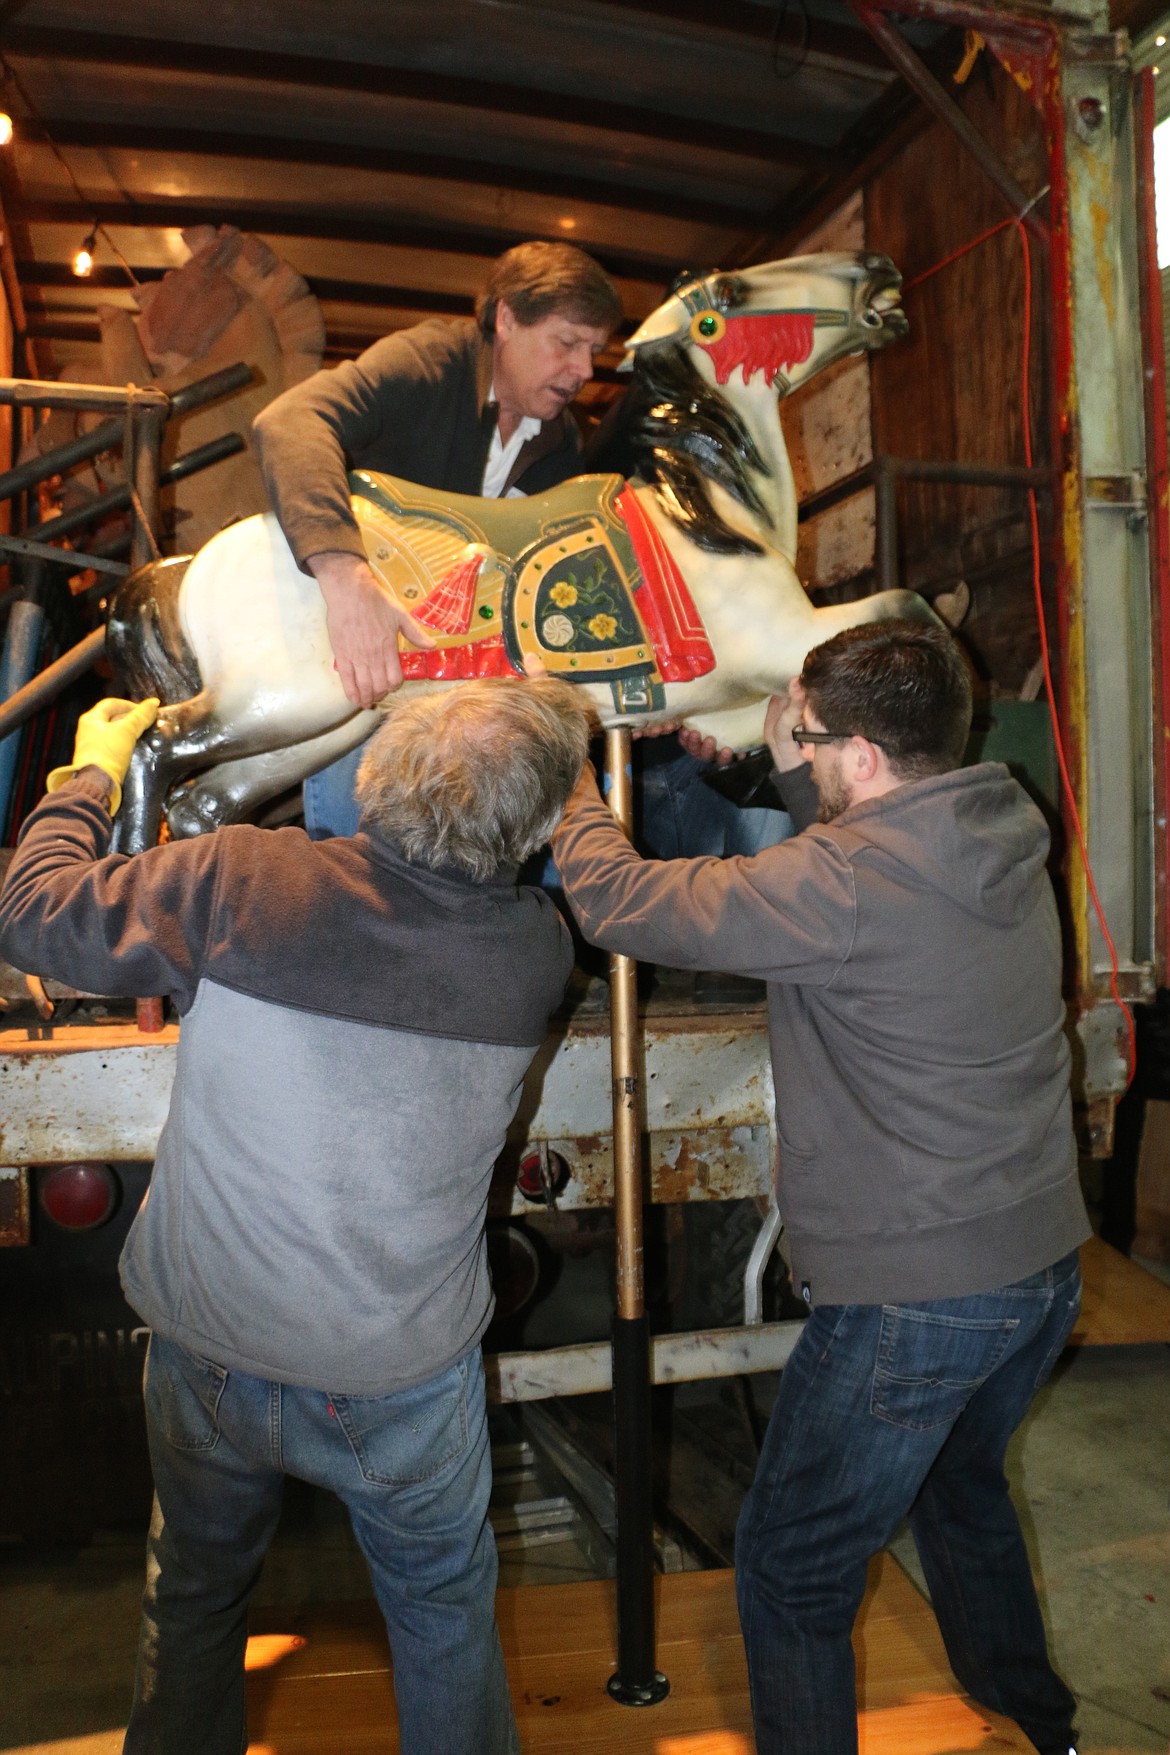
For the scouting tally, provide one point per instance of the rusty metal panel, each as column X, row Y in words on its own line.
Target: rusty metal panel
column 101, row 1102
column 715, row 1163
column 14, row 1206
column 696, row 1075
column 107, row 1097
column 828, row 428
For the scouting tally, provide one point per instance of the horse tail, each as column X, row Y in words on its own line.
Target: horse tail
column 144, row 637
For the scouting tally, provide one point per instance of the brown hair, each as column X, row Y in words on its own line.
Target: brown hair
column 902, row 684
column 536, row 279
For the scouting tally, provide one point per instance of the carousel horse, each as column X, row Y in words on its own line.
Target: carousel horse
column 670, row 597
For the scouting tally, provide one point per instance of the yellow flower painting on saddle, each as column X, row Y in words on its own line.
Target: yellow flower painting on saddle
column 583, row 593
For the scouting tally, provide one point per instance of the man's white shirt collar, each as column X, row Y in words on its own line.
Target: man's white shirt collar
column 501, row 457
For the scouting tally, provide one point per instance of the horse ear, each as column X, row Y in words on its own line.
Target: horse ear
column 684, row 277
column 951, row 606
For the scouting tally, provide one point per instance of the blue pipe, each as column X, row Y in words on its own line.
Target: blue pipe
column 18, row 666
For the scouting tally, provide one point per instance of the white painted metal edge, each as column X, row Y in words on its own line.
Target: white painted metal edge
column 682, row 1358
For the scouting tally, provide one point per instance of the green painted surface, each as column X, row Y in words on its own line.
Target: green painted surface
column 1019, row 734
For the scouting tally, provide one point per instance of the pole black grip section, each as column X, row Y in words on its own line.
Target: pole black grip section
column 636, row 1681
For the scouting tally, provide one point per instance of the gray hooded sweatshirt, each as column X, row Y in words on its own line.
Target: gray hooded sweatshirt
column 912, row 954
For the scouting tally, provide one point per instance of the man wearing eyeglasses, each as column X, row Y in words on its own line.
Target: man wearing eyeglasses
column 928, row 1182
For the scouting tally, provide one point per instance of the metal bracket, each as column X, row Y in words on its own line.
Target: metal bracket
column 1117, row 493
column 753, row 1274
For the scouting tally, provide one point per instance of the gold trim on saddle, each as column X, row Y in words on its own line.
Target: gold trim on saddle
column 415, row 564
column 571, row 607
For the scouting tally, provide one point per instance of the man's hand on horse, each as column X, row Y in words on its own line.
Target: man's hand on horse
column 784, row 711
column 105, row 739
column 364, row 624
column 706, row 749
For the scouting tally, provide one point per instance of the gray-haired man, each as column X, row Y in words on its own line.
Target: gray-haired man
column 358, row 1016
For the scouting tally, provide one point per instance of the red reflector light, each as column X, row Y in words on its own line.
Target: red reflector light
column 78, row 1196
column 535, row 1181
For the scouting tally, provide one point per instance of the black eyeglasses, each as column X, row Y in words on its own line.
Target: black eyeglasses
column 802, row 735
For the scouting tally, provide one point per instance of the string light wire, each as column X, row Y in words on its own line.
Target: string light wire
column 95, row 227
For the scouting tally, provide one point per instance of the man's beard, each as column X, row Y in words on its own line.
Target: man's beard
column 834, row 796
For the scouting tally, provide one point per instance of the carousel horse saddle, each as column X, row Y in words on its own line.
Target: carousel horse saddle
column 578, row 577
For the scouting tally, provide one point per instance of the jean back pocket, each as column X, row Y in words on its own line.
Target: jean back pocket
column 929, row 1365
column 186, row 1392
column 402, row 1439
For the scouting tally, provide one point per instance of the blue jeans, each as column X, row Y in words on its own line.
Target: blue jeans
column 680, row 818
column 330, row 806
column 885, row 1412
column 414, row 1472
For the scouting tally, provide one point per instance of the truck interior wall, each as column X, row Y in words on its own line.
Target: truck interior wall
column 9, row 432
column 7, row 370
column 827, row 429
column 950, row 392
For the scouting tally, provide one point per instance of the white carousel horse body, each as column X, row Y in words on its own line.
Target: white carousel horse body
column 270, row 709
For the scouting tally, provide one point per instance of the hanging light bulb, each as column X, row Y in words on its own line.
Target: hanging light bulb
column 83, row 261
column 5, row 128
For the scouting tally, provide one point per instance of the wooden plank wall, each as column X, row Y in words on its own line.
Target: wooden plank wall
column 7, row 362
column 950, row 392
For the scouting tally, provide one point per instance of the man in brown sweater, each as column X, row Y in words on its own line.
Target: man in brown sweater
column 477, row 407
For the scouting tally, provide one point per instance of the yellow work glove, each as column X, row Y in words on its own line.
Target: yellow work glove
column 105, row 739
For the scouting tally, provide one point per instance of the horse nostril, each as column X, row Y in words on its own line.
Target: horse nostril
column 872, row 319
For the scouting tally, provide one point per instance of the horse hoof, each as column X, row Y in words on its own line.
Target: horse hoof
column 185, row 820
column 951, row 606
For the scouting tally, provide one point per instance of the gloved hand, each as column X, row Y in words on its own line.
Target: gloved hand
column 105, row 739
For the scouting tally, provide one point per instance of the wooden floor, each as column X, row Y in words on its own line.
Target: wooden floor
column 321, row 1680
column 1123, row 1304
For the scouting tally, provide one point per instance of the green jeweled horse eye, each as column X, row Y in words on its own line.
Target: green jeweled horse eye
column 708, row 326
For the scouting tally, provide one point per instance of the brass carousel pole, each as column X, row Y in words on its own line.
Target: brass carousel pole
column 636, row 1682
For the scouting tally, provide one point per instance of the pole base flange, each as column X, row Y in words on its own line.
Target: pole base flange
column 638, row 1693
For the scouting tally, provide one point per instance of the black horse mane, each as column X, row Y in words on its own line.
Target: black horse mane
column 688, row 437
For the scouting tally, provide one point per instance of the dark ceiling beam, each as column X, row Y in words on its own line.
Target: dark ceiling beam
column 937, row 97
column 33, row 275
column 339, row 343
column 562, row 185
column 815, row 40
column 1137, row 16
column 452, row 238
column 641, row 121
column 354, row 292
